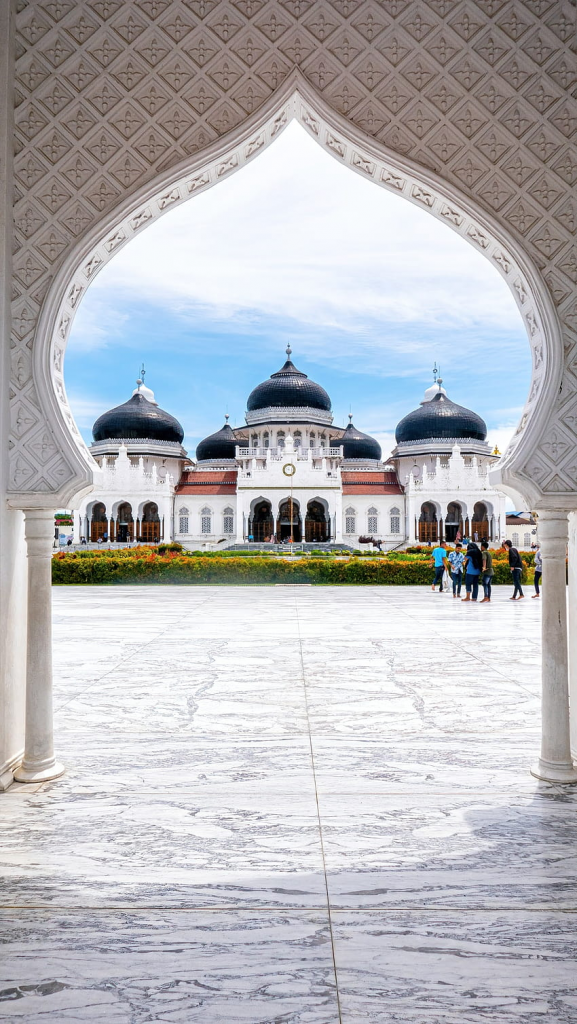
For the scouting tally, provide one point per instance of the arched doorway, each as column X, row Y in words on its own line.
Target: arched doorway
column 261, row 525
column 296, row 99
column 480, row 522
column 317, row 527
column 98, row 522
column 289, row 523
column 428, row 525
column 454, row 522
column 124, row 523
column 149, row 529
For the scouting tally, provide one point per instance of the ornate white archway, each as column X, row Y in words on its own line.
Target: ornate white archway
column 125, row 108
column 347, row 144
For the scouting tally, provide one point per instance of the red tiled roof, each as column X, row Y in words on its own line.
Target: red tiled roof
column 371, row 483
column 198, row 482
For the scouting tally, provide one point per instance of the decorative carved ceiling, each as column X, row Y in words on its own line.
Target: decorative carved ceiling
column 110, row 93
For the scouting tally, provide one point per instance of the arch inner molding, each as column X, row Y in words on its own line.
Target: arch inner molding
column 125, row 110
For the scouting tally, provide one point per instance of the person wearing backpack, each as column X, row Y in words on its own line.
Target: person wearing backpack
column 516, row 567
column 473, row 567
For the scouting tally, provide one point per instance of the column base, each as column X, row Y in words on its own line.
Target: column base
column 54, row 771
column 551, row 771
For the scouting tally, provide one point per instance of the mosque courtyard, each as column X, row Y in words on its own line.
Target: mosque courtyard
column 291, row 805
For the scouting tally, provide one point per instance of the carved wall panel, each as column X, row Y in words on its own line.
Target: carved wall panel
column 112, row 96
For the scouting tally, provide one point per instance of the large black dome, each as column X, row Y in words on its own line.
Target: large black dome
column 218, row 446
column 289, row 388
column 357, row 445
column 138, row 418
column 441, row 418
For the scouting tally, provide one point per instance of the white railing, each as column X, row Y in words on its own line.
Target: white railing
column 299, row 452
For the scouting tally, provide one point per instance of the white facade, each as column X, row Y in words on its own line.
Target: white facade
column 136, row 488
column 459, row 489
column 216, row 503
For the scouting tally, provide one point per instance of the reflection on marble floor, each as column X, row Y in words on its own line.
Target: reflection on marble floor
column 303, row 806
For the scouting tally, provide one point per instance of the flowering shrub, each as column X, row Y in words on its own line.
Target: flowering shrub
column 147, row 565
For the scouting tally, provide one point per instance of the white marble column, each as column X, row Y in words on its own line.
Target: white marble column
column 39, row 763
column 572, row 624
column 555, row 763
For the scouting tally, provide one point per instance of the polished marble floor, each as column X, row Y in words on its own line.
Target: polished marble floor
column 291, row 805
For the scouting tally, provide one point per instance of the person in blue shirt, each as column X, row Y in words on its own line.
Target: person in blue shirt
column 440, row 563
column 473, row 566
column 456, row 559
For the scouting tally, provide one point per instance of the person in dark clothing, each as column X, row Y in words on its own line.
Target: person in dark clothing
column 473, row 567
column 516, row 567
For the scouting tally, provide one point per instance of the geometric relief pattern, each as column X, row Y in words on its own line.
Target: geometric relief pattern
column 112, row 93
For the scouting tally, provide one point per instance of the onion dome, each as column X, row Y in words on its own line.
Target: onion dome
column 357, row 445
column 138, row 418
column 440, row 418
column 289, row 388
column 218, row 446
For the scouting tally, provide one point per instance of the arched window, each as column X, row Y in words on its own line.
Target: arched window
column 526, row 540
column 372, row 520
column 515, row 539
column 298, row 438
column 350, row 520
column 280, row 439
column 312, row 439
column 183, row 515
column 228, row 520
column 265, row 439
column 205, row 520
column 395, row 515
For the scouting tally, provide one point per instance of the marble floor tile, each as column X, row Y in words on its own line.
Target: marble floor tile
column 210, row 848
column 160, row 763
column 425, row 763
column 175, row 966
column 449, row 968
column 159, row 708
column 468, row 850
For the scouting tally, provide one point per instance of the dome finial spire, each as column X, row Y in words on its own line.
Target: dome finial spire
column 350, row 417
column 289, row 350
column 141, row 388
column 226, row 417
column 435, row 372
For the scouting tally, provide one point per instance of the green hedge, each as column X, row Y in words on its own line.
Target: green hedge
column 151, row 568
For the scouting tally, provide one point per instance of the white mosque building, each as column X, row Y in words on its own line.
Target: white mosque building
column 290, row 474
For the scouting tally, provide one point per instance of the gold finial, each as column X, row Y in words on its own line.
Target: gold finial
column 496, row 450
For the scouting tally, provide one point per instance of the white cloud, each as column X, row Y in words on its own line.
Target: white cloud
column 297, row 236
column 98, row 323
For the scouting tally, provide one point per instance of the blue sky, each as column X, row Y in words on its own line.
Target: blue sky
column 368, row 289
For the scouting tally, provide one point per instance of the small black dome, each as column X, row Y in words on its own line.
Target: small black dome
column 441, row 418
column 357, row 445
column 289, row 388
column 218, row 446
column 138, row 418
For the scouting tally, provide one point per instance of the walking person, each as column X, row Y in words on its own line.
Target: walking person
column 487, row 570
column 538, row 570
column 440, row 563
column 473, row 567
column 456, row 559
column 516, row 567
